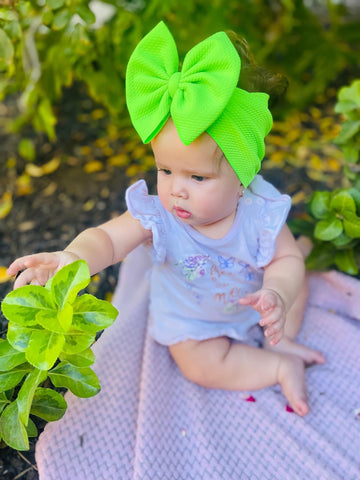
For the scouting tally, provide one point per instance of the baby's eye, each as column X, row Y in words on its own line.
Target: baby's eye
column 165, row 171
column 198, row 178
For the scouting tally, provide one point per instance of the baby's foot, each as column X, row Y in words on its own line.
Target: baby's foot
column 291, row 376
column 288, row 346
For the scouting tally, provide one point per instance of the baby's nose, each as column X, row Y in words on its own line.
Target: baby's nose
column 178, row 188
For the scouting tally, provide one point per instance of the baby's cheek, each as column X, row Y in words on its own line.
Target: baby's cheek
column 164, row 198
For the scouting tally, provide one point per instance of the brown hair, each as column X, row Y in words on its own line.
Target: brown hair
column 255, row 78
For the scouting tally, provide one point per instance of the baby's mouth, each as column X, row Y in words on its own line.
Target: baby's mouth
column 181, row 213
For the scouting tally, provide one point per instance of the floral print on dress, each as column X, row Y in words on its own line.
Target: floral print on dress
column 193, row 266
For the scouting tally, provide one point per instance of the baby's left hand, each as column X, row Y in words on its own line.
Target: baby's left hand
column 272, row 309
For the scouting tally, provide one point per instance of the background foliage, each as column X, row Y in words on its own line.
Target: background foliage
column 46, row 46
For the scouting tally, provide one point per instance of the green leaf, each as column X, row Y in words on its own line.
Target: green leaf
column 44, row 348
column 31, row 429
column 345, row 261
column 26, row 393
column 55, row 4
column 92, row 314
column 22, row 305
column 319, row 205
column 351, row 93
column 348, row 130
column 328, row 229
column 6, row 50
column 351, row 225
column 13, row 377
column 49, row 321
column 342, row 201
column 68, row 282
column 13, row 431
column 3, row 402
column 26, row 149
column 61, row 19
column 48, row 404
column 81, row 381
column 355, row 193
column 18, row 336
column 82, row 359
column 86, row 14
column 346, row 106
column 65, row 317
column 342, row 241
column 351, row 154
column 9, row 357
column 47, row 118
column 76, row 341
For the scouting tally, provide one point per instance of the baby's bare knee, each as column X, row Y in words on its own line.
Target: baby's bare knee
column 199, row 363
column 202, row 374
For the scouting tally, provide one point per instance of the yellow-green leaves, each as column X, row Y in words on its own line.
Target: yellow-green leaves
column 91, row 314
column 47, row 324
column 9, row 356
column 12, row 430
column 23, row 304
column 81, row 381
column 48, row 404
column 68, row 282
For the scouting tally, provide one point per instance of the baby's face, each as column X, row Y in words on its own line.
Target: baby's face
column 195, row 183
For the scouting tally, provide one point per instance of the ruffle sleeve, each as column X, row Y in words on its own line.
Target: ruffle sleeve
column 147, row 209
column 267, row 210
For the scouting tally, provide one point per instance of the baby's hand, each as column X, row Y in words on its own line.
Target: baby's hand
column 271, row 307
column 38, row 268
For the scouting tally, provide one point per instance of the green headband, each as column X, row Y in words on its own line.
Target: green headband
column 201, row 98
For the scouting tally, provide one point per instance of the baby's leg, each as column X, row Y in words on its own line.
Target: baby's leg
column 218, row 363
column 294, row 319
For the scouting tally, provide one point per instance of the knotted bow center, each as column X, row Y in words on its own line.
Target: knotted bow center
column 174, row 83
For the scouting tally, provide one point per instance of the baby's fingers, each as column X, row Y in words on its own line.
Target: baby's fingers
column 271, row 318
column 49, row 260
column 275, row 338
column 250, row 299
column 26, row 277
column 273, row 332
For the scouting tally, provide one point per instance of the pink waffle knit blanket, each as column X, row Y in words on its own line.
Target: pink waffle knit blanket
column 150, row 423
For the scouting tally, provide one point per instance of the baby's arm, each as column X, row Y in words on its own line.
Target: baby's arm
column 283, row 279
column 100, row 247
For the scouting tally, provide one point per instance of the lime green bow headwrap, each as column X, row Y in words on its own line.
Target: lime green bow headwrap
column 201, row 98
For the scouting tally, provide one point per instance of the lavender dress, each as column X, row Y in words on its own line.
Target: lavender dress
column 196, row 281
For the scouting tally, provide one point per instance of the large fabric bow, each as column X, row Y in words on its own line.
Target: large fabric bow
column 194, row 97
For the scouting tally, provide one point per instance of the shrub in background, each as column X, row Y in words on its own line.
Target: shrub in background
column 336, row 215
column 47, row 45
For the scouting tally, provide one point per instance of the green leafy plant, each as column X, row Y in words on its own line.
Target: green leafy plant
column 349, row 137
column 337, row 230
column 335, row 216
column 50, row 333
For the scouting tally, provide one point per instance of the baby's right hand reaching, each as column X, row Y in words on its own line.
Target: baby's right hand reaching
column 38, row 268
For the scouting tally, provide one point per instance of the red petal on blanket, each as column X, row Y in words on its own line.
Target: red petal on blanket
column 289, row 409
column 250, row 399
